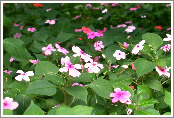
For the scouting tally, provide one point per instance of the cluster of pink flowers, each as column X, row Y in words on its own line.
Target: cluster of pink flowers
column 126, row 45
column 161, row 71
column 130, row 29
column 17, row 35
column 98, row 45
column 23, row 75
column 88, row 5
column 138, row 47
column 166, row 47
column 8, row 103
column 92, row 35
column 133, row 9
column 51, row 22
column 119, row 55
column 128, row 22
column 32, row 29
column 78, row 30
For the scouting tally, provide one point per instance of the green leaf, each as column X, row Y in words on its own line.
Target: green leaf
column 167, row 113
column 16, row 49
column 148, row 112
column 45, row 67
column 77, row 110
column 102, row 87
column 98, row 109
column 6, row 21
column 147, row 102
column 51, row 103
column 7, row 112
column 153, row 83
column 63, row 24
column 84, row 77
column 143, row 92
column 7, row 80
column 33, row 110
column 40, row 36
column 107, row 40
column 153, row 39
column 64, row 37
column 167, row 98
column 78, row 92
column 18, row 87
column 161, row 62
column 124, row 79
column 41, row 87
column 55, row 79
column 143, row 66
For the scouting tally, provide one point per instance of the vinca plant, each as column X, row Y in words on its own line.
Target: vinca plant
column 87, row 59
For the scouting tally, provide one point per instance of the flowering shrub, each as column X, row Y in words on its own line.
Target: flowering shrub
column 89, row 59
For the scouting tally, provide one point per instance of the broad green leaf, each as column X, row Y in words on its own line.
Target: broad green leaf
column 77, row 110
column 16, row 49
column 153, row 39
column 148, row 112
column 161, row 62
column 143, row 92
column 41, row 87
column 18, row 87
column 45, row 67
column 167, row 113
column 26, row 39
column 98, row 109
column 102, row 87
column 7, row 80
column 40, row 36
column 107, row 40
column 6, row 21
column 124, row 79
column 153, row 83
column 63, row 24
column 64, row 37
column 33, row 110
column 167, row 98
column 78, row 92
column 7, row 112
column 84, row 77
column 143, row 66
column 51, row 103
column 24, row 101
column 55, row 79
column 147, row 102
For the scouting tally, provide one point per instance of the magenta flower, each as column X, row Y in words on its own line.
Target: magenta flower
column 32, row 29
column 128, row 22
column 15, row 24
column 138, row 6
column 167, row 5
column 34, row 61
column 8, row 72
column 80, row 53
column 126, row 45
column 11, row 59
column 23, row 75
column 98, row 45
column 8, row 103
column 138, row 47
column 169, row 37
column 71, row 69
column 133, row 9
column 119, row 55
column 17, row 35
column 122, row 25
column 21, row 27
column 162, row 71
column 166, row 47
column 77, row 84
column 130, row 29
column 78, row 16
column 93, row 67
column 78, row 30
column 119, row 95
column 169, row 29
column 92, row 35
column 51, row 22
column 114, row 4
column 48, row 50
column 60, row 49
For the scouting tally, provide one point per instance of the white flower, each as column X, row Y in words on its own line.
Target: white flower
column 125, row 66
column 162, row 71
column 105, row 10
column 169, row 37
column 24, row 75
column 138, row 47
column 119, row 54
column 130, row 29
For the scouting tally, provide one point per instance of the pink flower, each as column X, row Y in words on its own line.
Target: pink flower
column 114, row 4
column 133, row 66
column 80, row 53
column 51, row 22
column 15, row 24
column 169, row 29
column 102, row 3
column 101, row 31
column 162, row 71
column 48, row 50
column 17, row 35
column 71, row 69
column 88, row 5
column 21, row 27
column 11, row 59
column 100, row 18
column 115, row 66
column 34, row 61
column 56, row 106
column 78, row 16
column 93, row 67
column 60, row 49
column 166, row 47
column 129, row 111
column 96, row 59
column 125, row 66
column 126, row 45
column 24, row 75
column 78, row 30
column 119, row 55
column 32, row 29
column 138, row 47
column 167, row 5
column 130, row 29
column 96, row 8
column 138, row 6
column 169, row 37
column 133, row 9
column 122, row 25
column 119, row 95
column 77, row 84
column 8, row 103
column 128, row 22
column 92, row 35
column 8, row 72
column 98, row 45
column 48, row 9
column 128, row 101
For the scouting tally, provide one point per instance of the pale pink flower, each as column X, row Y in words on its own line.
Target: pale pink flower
column 138, row 47
column 104, row 11
column 8, row 72
column 166, row 47
column 100, row 18
column 77, row 84
column 114, row 4
column 80, row 53
column 119, row 55
column 92, row 35
column 169, row 37
column 167, row 5
column 23, row 75
column 51, row 22
column 130, row 29
column 169, row 29
column 101, row 31
column 119, row 95
column 112, row 27
column 78, row 16
column 32, row 29
column 88, row 5
column 133, row 9
column 48, row 9
column 78, row 30
column 98, row 45
column 96, row 59
column 48, row 50
column 102, row 3
column 115, row 66
column 96, row 8
column 93, row 67
column 34, row 61
column 60, row 49
column 15, row 24
column 126, row 45
column 128, row 22
column 17, row 35
column 56, row 106
column 125, row 66
column 8, row 103
column 128, row 101
column 129, row 111
column 11, row 59
column 138, row 6
column 21, row 27
column 71, row 69
column 122, row 25
column 162, row 71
